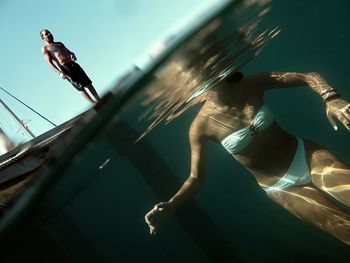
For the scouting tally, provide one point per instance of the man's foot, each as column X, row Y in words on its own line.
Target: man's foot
column 98, row 105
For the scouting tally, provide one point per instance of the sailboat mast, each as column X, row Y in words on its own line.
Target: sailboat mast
column 17, row 119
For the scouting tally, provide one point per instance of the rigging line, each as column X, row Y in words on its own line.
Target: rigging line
column 14, row 116
column 2, row 126
column 29, row 107
column 17, row 108
column 7, row 122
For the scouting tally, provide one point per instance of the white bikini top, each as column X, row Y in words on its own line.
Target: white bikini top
column 237, row 141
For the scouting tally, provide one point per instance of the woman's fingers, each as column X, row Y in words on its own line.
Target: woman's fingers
column 151, row 220
column 345, row 119
column 149, row 217
column 160, row 206
column 347, row 108
column 332, row 121
column 160, row 213
column 152, row 229
column 340, row 113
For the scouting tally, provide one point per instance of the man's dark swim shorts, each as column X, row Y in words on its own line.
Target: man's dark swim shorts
column 75, row 75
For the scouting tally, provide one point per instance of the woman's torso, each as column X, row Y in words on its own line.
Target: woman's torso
column 271, row 150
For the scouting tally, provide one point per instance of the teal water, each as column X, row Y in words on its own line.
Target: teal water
column 95, row 214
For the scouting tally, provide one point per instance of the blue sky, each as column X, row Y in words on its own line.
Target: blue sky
column 107, row 37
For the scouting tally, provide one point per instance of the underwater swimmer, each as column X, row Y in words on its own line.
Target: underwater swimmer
column 300, row 175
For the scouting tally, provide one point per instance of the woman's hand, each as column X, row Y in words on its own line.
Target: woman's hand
column 338, row 109
column 160, row 213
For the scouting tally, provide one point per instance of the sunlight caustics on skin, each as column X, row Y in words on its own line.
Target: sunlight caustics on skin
column 309, row 207
column 192, row 74
column 332, row 176
column 207, row 58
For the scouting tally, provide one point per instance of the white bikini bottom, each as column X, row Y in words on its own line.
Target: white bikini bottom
column 297, row 174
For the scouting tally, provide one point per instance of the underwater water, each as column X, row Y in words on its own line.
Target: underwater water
column 92, row 207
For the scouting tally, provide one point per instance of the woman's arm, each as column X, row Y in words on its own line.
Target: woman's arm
column 195, row 181
column 336, row 108
column 272, row 80
column 164, row 210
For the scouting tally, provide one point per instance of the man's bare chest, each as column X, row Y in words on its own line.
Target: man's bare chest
column 56, row 48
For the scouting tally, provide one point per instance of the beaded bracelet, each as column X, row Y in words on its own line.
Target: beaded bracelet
column 327, row 91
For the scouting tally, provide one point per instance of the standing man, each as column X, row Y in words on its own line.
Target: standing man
column 66, row 66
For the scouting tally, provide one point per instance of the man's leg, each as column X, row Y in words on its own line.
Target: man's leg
column 93, row 92
column 87, row 96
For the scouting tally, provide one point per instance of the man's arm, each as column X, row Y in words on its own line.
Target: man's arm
column 74, row 58
column 50, row 62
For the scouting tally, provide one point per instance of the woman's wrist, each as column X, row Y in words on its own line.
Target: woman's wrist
column 330, row 98
column 172, row 203
column 329, row 94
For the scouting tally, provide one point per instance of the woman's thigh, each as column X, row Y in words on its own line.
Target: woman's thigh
column 330, row 175
column 309, row 204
